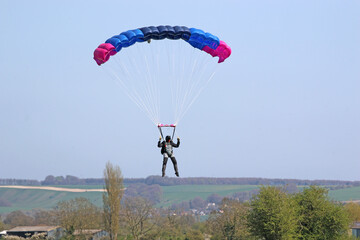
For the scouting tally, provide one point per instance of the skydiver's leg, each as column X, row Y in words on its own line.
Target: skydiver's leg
column 164, row 165
column 173, row 159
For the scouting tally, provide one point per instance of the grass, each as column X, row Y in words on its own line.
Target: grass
column 345, row 194
column 26, row 199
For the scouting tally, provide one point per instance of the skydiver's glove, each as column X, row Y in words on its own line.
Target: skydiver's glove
column 178, row 138
column 159, row 138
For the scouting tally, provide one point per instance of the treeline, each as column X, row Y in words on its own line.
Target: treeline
column 152, row 193
column 25, row 182
column 60, row 180
column 151, row 180
column 243, row 181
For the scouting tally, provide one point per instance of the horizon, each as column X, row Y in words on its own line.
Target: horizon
column 174, row 177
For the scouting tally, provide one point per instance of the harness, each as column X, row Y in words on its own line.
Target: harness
column 164, row 149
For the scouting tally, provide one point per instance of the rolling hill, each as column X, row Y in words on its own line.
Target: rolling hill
column 27, row 199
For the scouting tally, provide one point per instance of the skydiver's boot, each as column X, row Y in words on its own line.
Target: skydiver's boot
column 173, row 159
column 164, row 166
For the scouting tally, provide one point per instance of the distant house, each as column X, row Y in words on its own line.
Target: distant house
column 356, row 229
column 92, row 234
column 53, row 232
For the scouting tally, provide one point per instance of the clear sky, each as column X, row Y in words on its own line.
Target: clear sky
column 284, row 105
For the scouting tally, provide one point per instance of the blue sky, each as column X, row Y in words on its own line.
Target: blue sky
column 284, row 105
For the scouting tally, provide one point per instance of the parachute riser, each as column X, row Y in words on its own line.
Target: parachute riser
column 166, row 125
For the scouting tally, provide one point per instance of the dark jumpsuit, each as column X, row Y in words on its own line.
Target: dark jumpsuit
column 169, row 153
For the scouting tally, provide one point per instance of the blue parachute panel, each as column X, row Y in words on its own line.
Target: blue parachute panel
column 199, row 39
column 211, row 40
column 131, row 37
column 139, row 35
column 115, row 42
column 195, row 37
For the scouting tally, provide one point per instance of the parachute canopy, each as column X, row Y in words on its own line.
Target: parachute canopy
column 195, row 37
column 165, row 74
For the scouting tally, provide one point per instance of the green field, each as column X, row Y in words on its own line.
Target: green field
column 346, row 194
column 27, row 199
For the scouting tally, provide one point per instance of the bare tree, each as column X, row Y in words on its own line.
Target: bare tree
column 2, row 225
column 353, row 210
column 45, row 217
column 230, row 221
column 175, row 225
column 114, row 190
column 78, row 214
column 18, row 218
column 139, row 217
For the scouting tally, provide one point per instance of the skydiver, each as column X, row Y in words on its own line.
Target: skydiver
column 167, row 151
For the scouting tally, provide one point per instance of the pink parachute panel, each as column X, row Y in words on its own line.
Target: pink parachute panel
column 103, row 52
column 223, row 51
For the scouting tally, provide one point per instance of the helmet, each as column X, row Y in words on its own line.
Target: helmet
column 168, row 138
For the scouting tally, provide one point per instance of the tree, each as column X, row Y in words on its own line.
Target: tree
column 42, row 217
column 353, row 210
column 198, row 203
column 78, row 214
column 175, row 225
column 272, row 215
column 182, row 206
column 319, row 218
column 245, row 196
column 18, row 218
column 169, row 228
column 291, row 188
column 229, row 222
column 114, row 190
column 2, row 225
column 139, row 217
column 214, row 198
column 194, row 234
column 151, row 192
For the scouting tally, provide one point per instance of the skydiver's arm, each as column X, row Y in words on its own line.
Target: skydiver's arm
column 159, row 144
column 177, row 144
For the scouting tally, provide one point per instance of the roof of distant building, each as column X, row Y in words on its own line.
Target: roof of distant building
column 32, row 229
